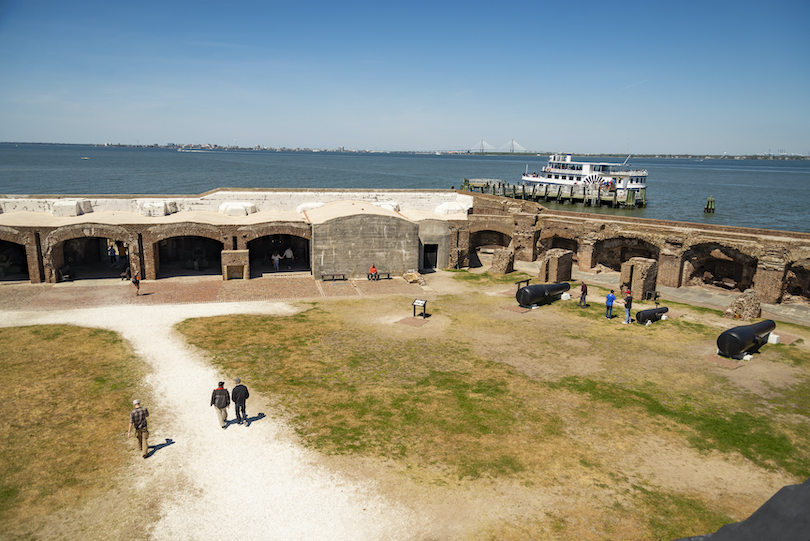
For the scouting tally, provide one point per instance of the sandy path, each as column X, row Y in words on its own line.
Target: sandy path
column 252, row 480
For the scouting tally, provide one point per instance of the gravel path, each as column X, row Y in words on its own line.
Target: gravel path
column 251, row 482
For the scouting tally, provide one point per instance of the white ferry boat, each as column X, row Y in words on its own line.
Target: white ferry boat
column 561, row 171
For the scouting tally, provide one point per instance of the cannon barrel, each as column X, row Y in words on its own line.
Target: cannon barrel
column 529, row 295
column 653, row 314
column 740, row 339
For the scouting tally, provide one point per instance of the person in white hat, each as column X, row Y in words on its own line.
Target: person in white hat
column 137, row 419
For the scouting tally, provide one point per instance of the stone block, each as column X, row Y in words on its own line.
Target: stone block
column 639, row 275
column 746, row 306
column 235, row 264
column 555, row 266
column 503, row 261
column 157, row 208
column 72, row 208
column 233, row 208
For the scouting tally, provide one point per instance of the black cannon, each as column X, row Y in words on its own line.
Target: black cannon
column 540, row 293
column 744, row 339
column 645, row 317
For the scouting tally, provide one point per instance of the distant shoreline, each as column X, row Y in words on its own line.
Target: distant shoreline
column 430, row 152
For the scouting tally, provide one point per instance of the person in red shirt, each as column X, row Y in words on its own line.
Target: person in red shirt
column 372, row 272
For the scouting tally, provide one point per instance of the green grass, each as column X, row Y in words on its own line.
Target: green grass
column 753, row 436
column 672, row 516
column 488, row 278
column 69, row 392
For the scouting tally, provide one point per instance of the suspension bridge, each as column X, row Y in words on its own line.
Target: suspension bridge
column 510, row 146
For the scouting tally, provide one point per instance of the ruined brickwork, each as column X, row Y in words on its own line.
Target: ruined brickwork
column 556, row 265
column 346, row 231
column 639, row 275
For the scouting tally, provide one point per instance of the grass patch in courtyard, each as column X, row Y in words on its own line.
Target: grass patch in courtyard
column 487, row 278
column 67, row 392
column 753, row 436
column 482, row 400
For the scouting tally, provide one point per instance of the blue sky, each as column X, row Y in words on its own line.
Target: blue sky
column 580, row 76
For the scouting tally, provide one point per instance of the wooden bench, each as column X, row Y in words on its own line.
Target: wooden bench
column 332, row 276
column 380, row 275
column 65, row 274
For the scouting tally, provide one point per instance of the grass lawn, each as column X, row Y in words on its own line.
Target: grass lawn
column 61, row 442
column 556, row 397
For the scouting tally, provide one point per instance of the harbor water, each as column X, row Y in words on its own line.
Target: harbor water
column 766, row 194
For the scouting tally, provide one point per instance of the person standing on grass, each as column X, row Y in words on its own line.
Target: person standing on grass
column 609, row 305
column 137, row 420
column 220, row 399
column 239, row 395
column 583, row 293
column 628, row 303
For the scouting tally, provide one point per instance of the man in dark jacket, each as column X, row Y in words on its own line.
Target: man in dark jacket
column 240, row 394
column 220, row 399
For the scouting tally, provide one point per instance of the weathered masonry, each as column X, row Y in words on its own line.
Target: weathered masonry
column 236, row 233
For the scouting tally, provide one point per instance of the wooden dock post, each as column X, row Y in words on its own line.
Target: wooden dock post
column 709, row 205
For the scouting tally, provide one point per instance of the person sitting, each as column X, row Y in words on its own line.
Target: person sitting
column 372, row 273
column 126, row 274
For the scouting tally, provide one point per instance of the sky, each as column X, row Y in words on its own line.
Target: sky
column 576, row 76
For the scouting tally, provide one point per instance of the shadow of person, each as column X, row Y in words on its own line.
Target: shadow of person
column 155, row 448
column 258, row 416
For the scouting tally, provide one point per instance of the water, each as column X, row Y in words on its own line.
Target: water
column 749, row 193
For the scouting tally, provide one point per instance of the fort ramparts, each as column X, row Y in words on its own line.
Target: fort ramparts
column 236, row 232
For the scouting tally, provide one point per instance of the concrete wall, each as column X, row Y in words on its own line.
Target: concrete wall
column 350, row 244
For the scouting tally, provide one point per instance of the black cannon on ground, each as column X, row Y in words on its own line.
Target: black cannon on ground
column 739, row 341
column 646, row 317
column 540, row 293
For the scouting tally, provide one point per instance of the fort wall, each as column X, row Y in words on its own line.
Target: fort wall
column 344, row 231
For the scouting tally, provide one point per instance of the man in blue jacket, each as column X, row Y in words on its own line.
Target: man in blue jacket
column 609, row 304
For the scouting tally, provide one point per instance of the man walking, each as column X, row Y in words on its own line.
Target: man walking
column 220, row 399
column 240, row 394
column 137, row 419
column 628, row 303
column 582, row 295
column 609, row 305
column 288, row 255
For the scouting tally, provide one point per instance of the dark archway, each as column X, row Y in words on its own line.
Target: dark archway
column 189, row 256
column 13, row 261
column 489, row 240
column 797, row 279
column 89, row 259
column 612, row 253
column 718, row 265
column 263, row 248
column 564, row 243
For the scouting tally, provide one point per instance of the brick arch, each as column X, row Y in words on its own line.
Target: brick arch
column 505, row 229
column 718, row 264
column 613, row 251
column 556, row 240
column 9, row 234
column 25, row 244
column 154, row 235
column 251, row 233
column 54, row 242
